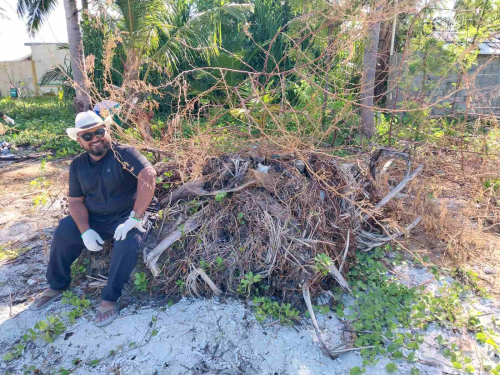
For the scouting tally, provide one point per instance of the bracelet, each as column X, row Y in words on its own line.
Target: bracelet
column 137, row 218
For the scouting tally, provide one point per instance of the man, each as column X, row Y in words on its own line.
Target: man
column 110, row 188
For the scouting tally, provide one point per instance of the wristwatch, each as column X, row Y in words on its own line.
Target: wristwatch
column 134, row 215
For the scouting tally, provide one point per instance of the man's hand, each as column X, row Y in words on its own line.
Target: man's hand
column 123, row 229
column 91, row 239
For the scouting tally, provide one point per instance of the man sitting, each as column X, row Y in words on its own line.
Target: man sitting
column 110, row 188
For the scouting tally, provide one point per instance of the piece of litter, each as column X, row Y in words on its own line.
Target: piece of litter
column 263, row 168
column 489, row 271
column 31, row 282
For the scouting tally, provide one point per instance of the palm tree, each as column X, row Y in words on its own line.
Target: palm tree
column 37, row 12
column 166, row 31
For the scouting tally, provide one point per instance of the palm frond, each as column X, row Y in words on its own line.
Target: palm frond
column 36, row 12
column 57, row 74
column 3, row 14
column 140, row 19
column 195, row 35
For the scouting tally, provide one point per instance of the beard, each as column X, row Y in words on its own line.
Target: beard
column 99, row 148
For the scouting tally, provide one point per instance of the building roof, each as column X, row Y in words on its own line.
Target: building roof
column 488, row 47
column 26, row 57
column 41, row 44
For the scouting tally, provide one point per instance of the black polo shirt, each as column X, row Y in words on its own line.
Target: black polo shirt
column 108, row 185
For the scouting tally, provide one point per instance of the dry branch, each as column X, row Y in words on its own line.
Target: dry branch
column 189, row 225
column 395, row 191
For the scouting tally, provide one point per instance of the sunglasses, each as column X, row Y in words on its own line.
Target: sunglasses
column 99, row 133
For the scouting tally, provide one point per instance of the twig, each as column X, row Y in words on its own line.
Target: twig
column 307, row 298
column 395, row 191
column 345, row 253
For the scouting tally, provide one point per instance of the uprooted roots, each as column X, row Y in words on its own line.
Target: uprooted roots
column 273, row 217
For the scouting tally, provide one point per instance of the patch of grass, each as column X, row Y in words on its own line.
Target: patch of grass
column 7, row 254
column 41, row 122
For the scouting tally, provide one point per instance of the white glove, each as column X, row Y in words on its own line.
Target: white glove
column 123, row 229
column 91, row 239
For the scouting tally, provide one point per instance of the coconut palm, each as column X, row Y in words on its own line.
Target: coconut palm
column 167, row 32
column 3, row 14
column 36, row 13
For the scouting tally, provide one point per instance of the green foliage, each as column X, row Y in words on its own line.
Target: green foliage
column 140, row 281
column 41, row 122
column 220, row 196
column 16, row 353
column 8, row 254
column 50, row 328
column 323, row 261
column 265, row 308
column 181, row 284
column 246, row 283
column 80, row 304
column 386, row 313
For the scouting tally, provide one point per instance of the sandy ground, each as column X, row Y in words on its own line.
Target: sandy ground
column 193, row 336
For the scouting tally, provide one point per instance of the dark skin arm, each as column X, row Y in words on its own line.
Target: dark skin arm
column 146, row 182
column 79, row 213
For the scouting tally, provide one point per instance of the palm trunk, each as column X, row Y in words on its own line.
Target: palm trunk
column 368, row 81
column 82, row 101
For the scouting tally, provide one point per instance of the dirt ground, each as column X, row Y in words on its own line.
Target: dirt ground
column 151, row 336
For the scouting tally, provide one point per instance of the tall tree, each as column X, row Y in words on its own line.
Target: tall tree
column 368, row 80
column 36, row 13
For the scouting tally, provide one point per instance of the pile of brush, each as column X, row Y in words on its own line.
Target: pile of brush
column 282, row 217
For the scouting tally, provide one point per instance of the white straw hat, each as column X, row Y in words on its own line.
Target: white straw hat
column 86, row 121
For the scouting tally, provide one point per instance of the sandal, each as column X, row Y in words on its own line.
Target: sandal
column 50, row 294
column 103, row 310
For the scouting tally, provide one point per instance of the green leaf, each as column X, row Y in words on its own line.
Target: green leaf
column 411, row 357
column 94, row 362
column 457, row 365
column 355, row 371
column 398, row 355
column 480, row 336
column 470, row 369
column 415, row 371
column 391, row 367
column 154, row 333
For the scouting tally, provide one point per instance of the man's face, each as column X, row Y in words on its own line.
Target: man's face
column 97, row 146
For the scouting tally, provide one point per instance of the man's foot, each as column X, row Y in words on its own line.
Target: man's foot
column 46, row 298
column 106, row 313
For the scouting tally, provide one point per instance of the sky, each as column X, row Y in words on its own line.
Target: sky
column 13, row 33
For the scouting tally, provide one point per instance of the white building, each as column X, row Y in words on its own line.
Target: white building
column 25, row 73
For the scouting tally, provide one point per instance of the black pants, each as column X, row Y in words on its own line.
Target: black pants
column 67, row 245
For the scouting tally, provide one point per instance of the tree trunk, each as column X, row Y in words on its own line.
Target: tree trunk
column 368, row 81
column 82, row 101
column 382, row 71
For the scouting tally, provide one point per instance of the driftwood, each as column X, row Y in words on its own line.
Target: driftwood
column 188, row 226
column 18, row 159
column 191, row 282
column 307, row 299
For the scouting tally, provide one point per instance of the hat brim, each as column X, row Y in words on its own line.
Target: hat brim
column 73, row 132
